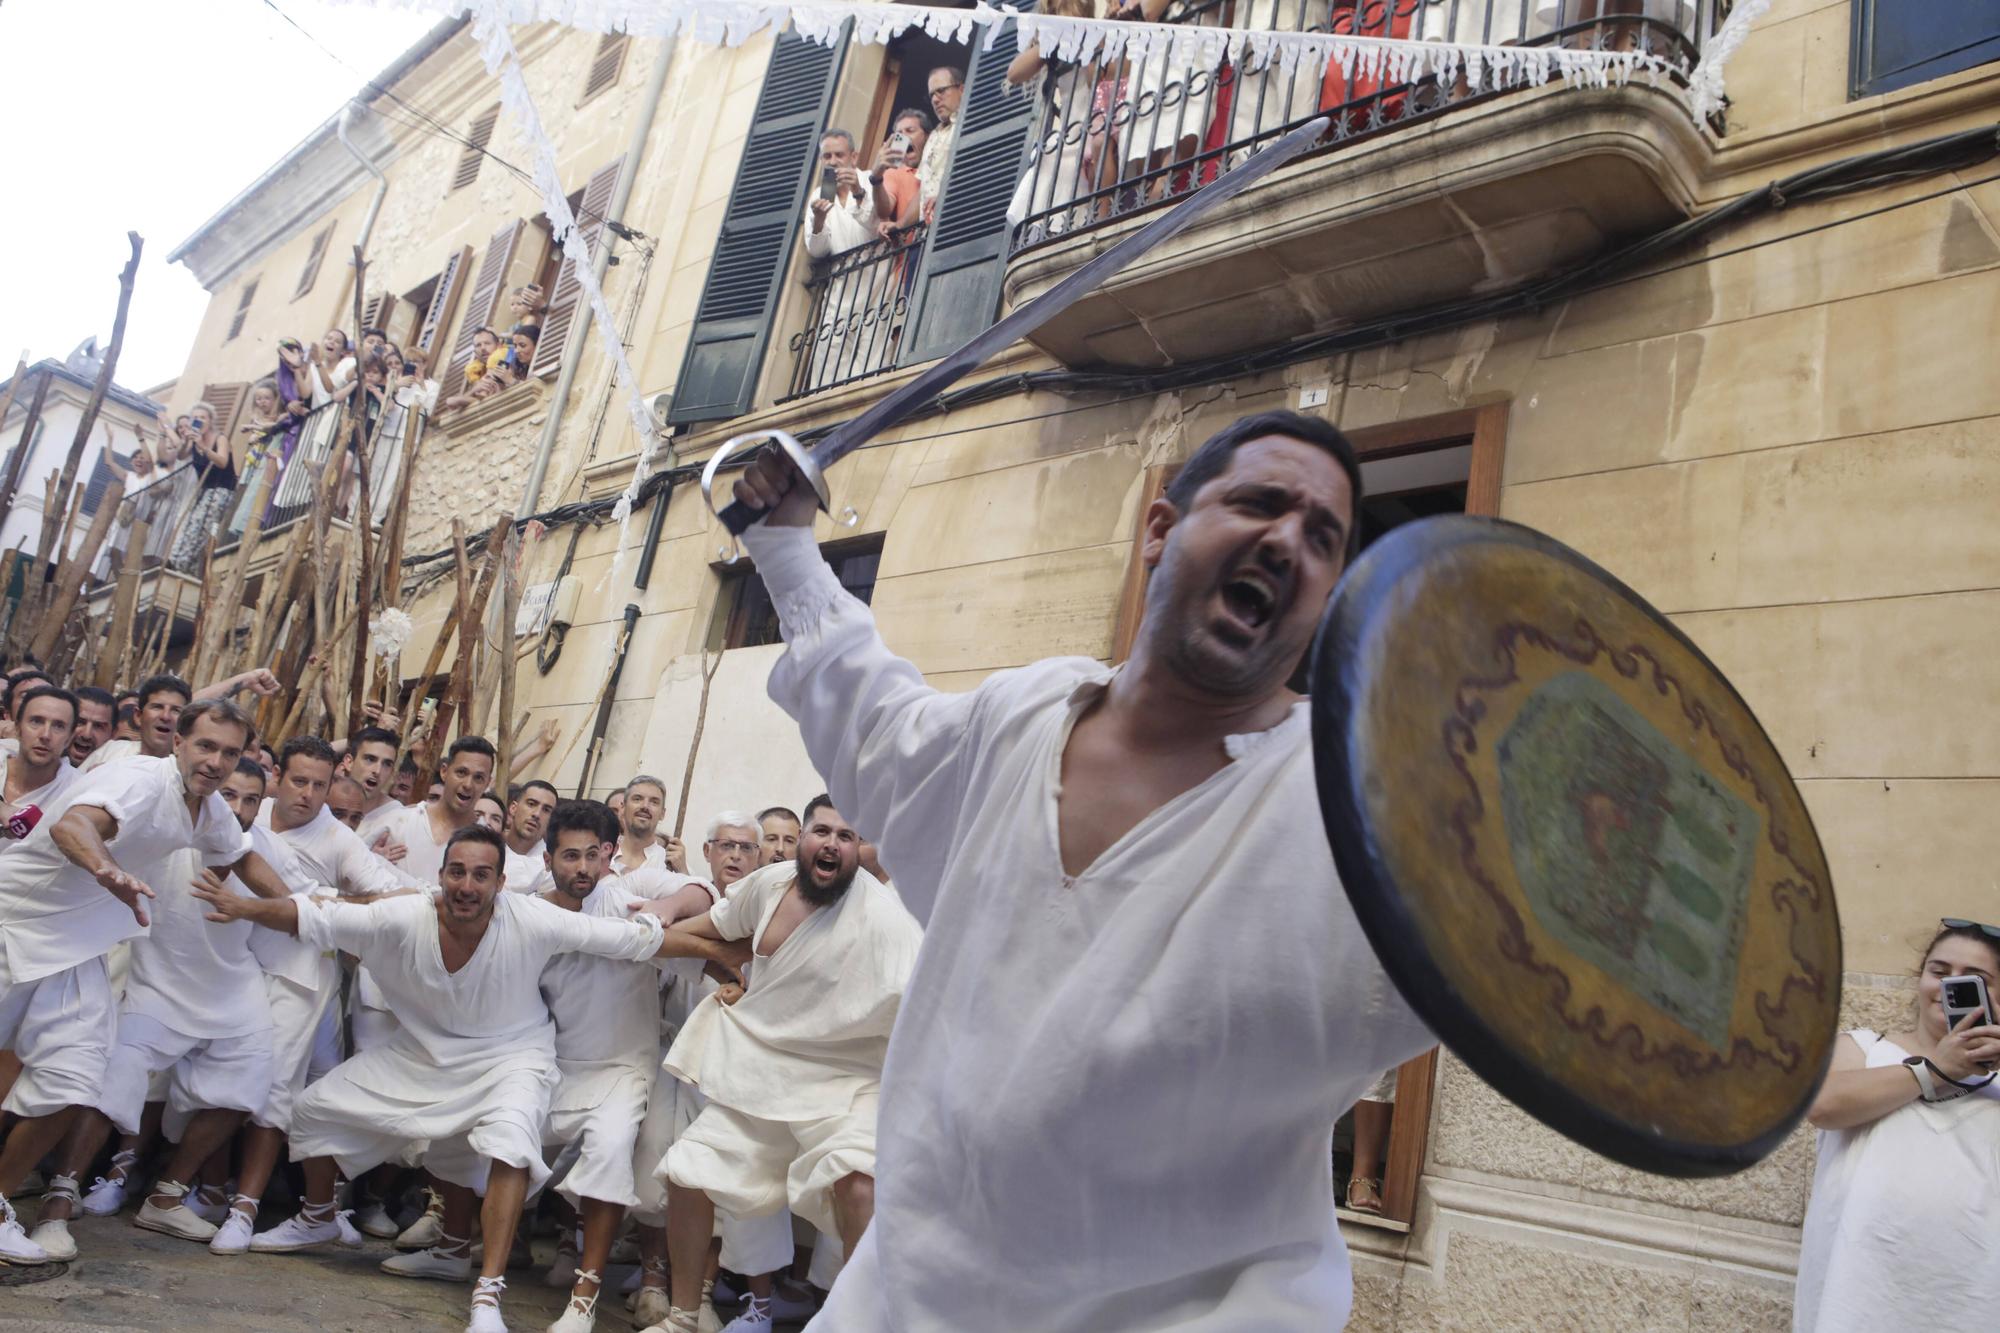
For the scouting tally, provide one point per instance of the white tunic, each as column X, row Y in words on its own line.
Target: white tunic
column 41, row 797
column 54, row 915
column 320, row 853
column 813, row 1029
column 606, row 1010
column 421, row 866
column 110, row 753
column 528, row 872
column 1110, row 1099
column 374, row 821
column 1903, row 1228
column 192, row 975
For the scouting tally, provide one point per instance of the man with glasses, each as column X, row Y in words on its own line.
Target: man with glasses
column 947, row 90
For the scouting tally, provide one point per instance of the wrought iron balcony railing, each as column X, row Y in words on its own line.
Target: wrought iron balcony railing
column 860, row 299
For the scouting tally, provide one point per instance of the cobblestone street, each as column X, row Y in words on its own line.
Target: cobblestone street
column 132, row 1281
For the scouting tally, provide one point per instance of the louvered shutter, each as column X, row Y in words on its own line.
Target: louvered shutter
column 566, row 301
column 226, row 399
column 759, row 230
column 485, row 296
column 371, row 314
column 474, row 154
column 606, row 65
column 310, row 274
column 243, row 301
column 965, row 258
column 444, row 300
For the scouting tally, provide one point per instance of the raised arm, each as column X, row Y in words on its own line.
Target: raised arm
column 81, row 835
column 893, row 750
column 259, row 680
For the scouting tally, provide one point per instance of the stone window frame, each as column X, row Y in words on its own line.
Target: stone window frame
column 1485, row 429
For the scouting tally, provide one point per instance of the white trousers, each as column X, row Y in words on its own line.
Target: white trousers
column 62, row 1029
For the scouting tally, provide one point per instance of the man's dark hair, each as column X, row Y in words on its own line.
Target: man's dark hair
column 594, row 817
column 375, row 333
column 471, row 745
column 18, row 681
column 312, row 747
column 162, row 683
column 1210, row 460
column 521, row 789
column 489, row 331
column 250, row 768
column 957, row 75
column 481, row 834
column 97, row 694
column 373, row 736
column 409, row 764
column 49, row 692
column 923, row 118
column 127, row 712
column 835, row 132
column 815, row 803
column 222, row 710
column 763, row 815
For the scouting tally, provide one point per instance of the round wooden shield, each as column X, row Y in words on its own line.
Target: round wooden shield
column 1572, row 846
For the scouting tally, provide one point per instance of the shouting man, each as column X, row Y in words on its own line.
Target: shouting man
column 792, row 1068
column 526, row 832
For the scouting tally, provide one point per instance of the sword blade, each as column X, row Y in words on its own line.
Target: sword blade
column 893, row 407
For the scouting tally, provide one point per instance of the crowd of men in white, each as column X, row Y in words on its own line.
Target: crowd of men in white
column 190, row 943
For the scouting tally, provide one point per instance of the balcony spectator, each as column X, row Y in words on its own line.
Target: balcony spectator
column 522, row 340
column 330, row 368
column 844, row 219
column 898, row 194
column 416, row 388
column 947, row 91
column 373, row 342
column 214, row 468
column 1070, row 157
column 142, row 493
column 526, row 306
column 261, row 435
column 1264, row 97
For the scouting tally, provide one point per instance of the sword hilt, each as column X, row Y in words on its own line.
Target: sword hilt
column 737, row 516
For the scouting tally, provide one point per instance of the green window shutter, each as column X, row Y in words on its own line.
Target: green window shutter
column 965, row 258
column 732, row 324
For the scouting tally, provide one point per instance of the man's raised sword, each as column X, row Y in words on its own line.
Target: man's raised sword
column 891, row 408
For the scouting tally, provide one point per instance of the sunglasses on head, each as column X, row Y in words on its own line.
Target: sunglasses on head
column 1960, row 923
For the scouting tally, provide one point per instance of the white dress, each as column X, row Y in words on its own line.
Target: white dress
column 1109, row 1098
column 1903, row 1230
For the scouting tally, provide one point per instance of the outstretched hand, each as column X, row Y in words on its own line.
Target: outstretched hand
column 128, row 890
column 223, row 903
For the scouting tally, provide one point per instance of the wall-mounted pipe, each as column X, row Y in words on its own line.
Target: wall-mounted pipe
column 347, row 115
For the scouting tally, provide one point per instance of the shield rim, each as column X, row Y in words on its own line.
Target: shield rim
column 1386, row 914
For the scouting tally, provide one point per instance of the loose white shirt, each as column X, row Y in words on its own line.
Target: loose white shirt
column 425, row 859
column 110, row 753
column 41, row 797
column 606, row 1010
column 54, row 914
column 196, row 976
column 374, row 821
column 528, row 872
column 1122, row 1083
column 656, row 858
column 320, row 853
column 489, row 1010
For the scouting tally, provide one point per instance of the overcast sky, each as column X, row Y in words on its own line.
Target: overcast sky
column 148, row 116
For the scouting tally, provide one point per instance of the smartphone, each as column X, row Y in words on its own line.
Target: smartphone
column 1966, row 995
column 829, row 182
column 901, row 142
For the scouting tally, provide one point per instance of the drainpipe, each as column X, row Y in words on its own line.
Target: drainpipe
column 381, row 181
column 621, row 194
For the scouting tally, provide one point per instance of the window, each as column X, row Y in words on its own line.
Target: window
column 476, row 140
column 606, row 65
column 1409, row 470
column 310, row 274
column 1901, row 42
column 100, row 479
column 243, row 301
column 749, row 619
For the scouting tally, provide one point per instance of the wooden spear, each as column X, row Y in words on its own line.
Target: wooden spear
column 19, row 460
column 88, row 421
column 111, row 667
column 209, row 651
column 75, row 569
column 510, row 606
column 469, row 631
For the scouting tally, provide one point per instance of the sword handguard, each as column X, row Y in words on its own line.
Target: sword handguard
column 737, row 516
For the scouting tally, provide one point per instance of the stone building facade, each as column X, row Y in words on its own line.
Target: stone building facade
column 1786, row 435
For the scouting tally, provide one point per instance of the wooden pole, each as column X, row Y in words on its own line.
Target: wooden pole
column 309, row 683
column 75, row 569
column 209, row 650
column 469, row 628
column 8, row 564
column 510, row 606
column 708, row 670
column 19, row 461
column 364, row 594
column 111, row 667
column 88, row 421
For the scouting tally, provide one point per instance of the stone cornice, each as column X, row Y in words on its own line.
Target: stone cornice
column 519, row 403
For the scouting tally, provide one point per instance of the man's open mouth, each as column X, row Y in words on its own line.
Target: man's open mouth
column 1251, row 597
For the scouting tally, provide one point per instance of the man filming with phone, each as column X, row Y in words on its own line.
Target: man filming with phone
column 840, row 216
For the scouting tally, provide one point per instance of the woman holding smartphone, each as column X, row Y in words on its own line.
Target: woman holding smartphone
column 1903, row 1229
